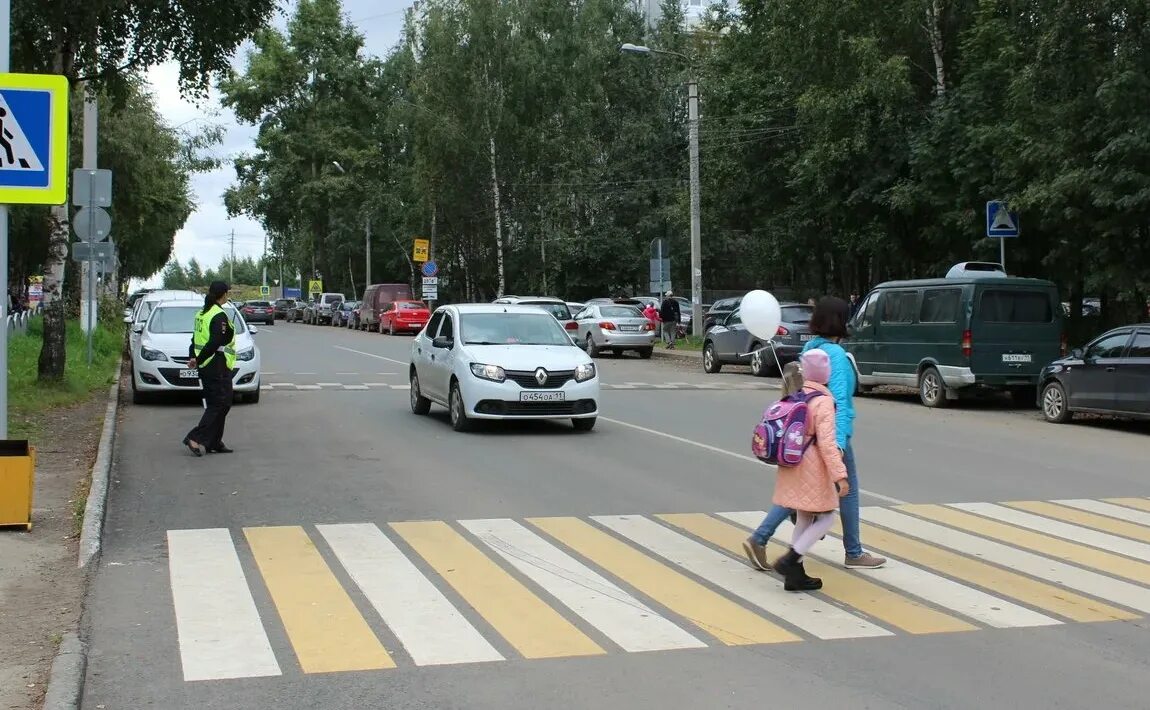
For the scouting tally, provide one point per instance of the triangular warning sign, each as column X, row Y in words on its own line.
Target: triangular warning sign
column 1002, row 219
column 15, row 151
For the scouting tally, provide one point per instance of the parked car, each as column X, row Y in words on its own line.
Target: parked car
column 719, row 310
column 501, row 361
column 259, row 312
column 575, row 306
column 729, row 342
column 144, row 306
column 319, row 311
column 282, row 306
column 377, row 299
column 160, row 361
column 614, row 327
column 295, row 313
column 946, row 336
column 341, row 313
column 555, row 306
column 404, row 317
column 1111, row 375
column 353, row 320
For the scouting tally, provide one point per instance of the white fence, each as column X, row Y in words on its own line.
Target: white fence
column 18, row 322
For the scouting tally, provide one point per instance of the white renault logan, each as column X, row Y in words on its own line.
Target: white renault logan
column 496, row 361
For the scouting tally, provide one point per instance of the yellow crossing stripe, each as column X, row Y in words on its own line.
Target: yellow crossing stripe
column 1079, row 554
column 526, row 621
column 725, row 620
column 1139, row 503
column 326, row 630
column 846, row 588
column 1000, row 581
column 1081, row 517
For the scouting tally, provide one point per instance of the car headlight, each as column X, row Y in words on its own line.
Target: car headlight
column 585, row 372
column 246, row 354
column 152, row 355
column 494, row 373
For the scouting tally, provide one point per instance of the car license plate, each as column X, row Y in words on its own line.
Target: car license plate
column 805, row 338
column 1017, row 357
column 629, row 328
column 542, row 396
column 189, row 374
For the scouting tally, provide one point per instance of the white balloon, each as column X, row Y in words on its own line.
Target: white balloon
column 761, row 314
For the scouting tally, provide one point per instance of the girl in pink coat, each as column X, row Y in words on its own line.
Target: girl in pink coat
column 812, row 489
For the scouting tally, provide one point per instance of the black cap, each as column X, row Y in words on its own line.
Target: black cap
column 218, row 288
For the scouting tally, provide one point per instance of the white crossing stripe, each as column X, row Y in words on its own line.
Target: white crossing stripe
column 220, row 632
column 1057, row 528
column 1086, row 581
column 421, row 617
column 307, row 387
column 933, row 588
column 620, row 616
column 355, row 387
column 803, row 611
column 1139, row 517
column 328, row 384
column 400, row 387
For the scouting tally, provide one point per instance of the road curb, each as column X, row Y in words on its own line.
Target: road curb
column 689, row 355
column 92, row 528
column 66, row 682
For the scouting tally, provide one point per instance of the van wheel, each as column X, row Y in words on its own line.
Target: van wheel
column 931, row 389
column 1054, row 405
column 711, row 363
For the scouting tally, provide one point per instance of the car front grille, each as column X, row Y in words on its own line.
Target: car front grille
column 527, row 380
column 536, row 409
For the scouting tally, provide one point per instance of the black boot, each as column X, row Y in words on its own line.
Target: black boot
column 801, row 582
column 785, row 564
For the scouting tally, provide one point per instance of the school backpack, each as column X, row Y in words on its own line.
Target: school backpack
column 780, row 439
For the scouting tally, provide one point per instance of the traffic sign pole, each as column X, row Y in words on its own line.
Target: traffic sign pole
column 5, row 51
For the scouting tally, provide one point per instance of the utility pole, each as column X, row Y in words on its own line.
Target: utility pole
column 232, row 260
column 367, row 251
column 696, row 228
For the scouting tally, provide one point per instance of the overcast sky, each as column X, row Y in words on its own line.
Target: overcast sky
column 205, row 234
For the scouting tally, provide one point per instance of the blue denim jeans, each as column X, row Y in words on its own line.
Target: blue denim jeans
column 848, row 511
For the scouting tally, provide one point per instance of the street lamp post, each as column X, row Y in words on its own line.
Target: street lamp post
column 366, row 236
column 696, row 219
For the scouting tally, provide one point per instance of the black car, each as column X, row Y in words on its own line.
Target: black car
column 1111, row 375
column 282, row 306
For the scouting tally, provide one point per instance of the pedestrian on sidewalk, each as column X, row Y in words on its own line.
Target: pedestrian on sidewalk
column 829, row 325
column 213, row 352
column 669, row 313
column 812, row 489
column 652, row 315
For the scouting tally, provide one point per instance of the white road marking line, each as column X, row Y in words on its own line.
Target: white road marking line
column 1057, row 528
column 376, row 384
column 637, row 384
column 346, row 374
column 307, row 387
column 425, row 622
column 270, row 373
column 329, row 384
column 355, row 387
column 380, row 357
column 1051, row 570
column 620, row 616
column 620, row 387
column 303, row 373
column 1130, row 515
column 809, row 613
column 219, row 629
column 680, row 384
column 933, row 588
column 741, row 457
column 400, row 387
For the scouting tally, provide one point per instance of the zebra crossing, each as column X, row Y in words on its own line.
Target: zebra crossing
column 679, row 386
column 336, row 597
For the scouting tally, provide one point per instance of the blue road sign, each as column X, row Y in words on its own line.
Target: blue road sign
column 33, row 139
column 1000, row 221
column 429, row 268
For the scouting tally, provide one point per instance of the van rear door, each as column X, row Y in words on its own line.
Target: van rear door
column 1016, row 330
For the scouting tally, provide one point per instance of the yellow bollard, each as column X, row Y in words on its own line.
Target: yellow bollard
column 17, row 476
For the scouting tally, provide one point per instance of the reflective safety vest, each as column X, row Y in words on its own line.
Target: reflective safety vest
column 202, row 334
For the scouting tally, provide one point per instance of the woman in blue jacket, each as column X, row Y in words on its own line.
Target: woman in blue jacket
column 829, row 324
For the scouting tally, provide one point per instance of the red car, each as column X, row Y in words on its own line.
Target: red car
column 259, row 312
column 404, row 317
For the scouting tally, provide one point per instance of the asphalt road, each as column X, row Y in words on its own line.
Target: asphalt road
column 352, row 555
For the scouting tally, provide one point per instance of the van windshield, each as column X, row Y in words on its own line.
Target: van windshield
column 1012, row 306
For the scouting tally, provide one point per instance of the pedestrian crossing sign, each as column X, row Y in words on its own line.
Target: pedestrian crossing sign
column 33, row 139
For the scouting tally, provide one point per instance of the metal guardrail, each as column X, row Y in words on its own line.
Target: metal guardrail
column 17, row 323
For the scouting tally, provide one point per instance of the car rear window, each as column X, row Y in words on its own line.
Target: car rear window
column 259, row 304
column 620, row 312
column 559, row 310
column 797, row 314
column 410, row 306
column 1015, row 306
column 940, row 305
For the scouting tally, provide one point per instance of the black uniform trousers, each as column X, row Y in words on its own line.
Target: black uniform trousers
column 217, row 383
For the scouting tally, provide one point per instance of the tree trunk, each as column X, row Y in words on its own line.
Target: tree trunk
column 933, row 28
column 53, row 355
column 498, row 220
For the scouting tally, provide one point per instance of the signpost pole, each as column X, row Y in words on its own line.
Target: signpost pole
column 5, row 47
column 92, row 310
column 1002, row 253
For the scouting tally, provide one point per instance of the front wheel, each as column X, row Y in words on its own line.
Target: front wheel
column 1054, row 405
column 391, row 328
column 254, row 397
column 459, row 420
column 932, row 389
column 584, row 424
column 711, row 363
column 419, row 404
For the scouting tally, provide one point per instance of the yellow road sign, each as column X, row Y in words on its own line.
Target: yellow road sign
column 422, row 251
column 33, row 139
column 315, row 286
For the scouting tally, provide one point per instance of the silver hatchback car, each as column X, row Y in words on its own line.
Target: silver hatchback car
column 604, row 326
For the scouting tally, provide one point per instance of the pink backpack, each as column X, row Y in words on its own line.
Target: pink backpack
column 780, row 439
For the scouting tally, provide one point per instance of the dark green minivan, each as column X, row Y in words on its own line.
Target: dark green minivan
column 947, row 336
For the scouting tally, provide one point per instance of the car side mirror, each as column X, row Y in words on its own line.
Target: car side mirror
column 442, row 342
column 138, row 328
column 253, row 330
column 128, row 320
column 1077, row 353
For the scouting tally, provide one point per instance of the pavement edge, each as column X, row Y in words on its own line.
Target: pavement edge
column 66, row 677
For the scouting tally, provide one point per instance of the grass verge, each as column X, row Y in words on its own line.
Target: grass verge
column 30, row 401
column 690, row 342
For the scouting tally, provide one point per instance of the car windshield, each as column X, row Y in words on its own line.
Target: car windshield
column 182, row 319
column 410, row 306
column 559, row 310
column 797, row 314
column 620, row 312
column 511, row 329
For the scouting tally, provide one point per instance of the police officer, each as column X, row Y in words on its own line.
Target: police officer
column 213, row 351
